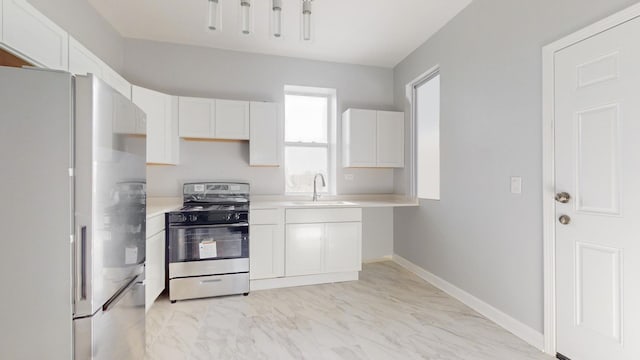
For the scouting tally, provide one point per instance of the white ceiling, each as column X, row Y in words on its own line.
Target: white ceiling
column 368, row 32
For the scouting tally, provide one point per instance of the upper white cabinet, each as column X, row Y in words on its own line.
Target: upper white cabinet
column 390, row 139
column 82, row 61
column 196, row 117
column 232, row 120
column 214, row 119
column 373, row 138
column 265, row 140
column 28, row 32
column 162, row 125
column 116, row 81
column 359, row 138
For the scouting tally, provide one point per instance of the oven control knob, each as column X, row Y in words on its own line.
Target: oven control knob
column 228, row 217
column 193, row 218
column 237, row 216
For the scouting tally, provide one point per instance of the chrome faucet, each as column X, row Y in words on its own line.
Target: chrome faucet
column 315, row 189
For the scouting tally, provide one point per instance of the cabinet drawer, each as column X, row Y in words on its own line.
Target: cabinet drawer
column 266, row 217
column 155, row 225
column 206, row 286
column 313, row 216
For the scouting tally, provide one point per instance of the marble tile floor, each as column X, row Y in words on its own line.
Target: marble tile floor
column 388, row 314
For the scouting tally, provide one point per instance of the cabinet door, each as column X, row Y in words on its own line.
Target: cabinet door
column 27, row 31
column 304, row 249
column 172, row 138
column 359, row 138
column 82, row 61
column 196, row 117
column 116, row 81
column 390, row 137
column 232, row 120
column 266, row 251
column 343, row 247
column 153, row 104
column 265, row 142
column 155, row 269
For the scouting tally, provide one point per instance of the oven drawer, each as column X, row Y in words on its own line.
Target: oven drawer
column 208, row 286
column 198, row 268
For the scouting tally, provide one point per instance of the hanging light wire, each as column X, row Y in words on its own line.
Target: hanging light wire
column 306, row 20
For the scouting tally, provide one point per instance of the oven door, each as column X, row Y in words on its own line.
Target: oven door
column 208, row 242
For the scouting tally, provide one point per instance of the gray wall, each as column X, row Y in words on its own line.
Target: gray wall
column 480, row 237
column 197, row 71
column 87, row 26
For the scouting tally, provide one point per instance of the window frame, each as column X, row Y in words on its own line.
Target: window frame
column 411, row 91
column 329, row 178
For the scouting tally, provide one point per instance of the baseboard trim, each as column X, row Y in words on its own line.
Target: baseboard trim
column 377, row 260
column 510, row 324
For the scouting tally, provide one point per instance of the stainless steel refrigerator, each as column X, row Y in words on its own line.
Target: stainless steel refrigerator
column 72, row 210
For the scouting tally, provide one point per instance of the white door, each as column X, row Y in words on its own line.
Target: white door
column 390, row 139
column 232, row 120
column 597, row 162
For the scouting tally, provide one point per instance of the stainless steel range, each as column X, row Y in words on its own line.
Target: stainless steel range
column 208, row 242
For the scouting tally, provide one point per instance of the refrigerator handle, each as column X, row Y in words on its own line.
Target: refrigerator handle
column 83, row 263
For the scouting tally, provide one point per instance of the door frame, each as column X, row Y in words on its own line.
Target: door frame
column 548, row 160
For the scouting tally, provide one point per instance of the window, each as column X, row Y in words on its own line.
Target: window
column 308, row 139
column 426, row 97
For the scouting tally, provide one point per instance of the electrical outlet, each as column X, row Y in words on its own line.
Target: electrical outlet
column 348, row 177
column 516, row 185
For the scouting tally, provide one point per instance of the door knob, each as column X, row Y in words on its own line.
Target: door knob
column 563, row 197
column 564, row 220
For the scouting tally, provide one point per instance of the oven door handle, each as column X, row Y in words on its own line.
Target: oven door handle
column 243, row 224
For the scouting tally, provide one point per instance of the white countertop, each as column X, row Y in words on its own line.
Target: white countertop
column 345, row 201
column 160, row 205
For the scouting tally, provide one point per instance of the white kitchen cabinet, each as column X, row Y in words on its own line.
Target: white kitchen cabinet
column 359, row 136
column 390, row 139
column 305, row 249
column 155, row 260
column 373, row 138
column 82, row 61
column 266, row 132
column 196, row 117
column 343, row 246
column 232, row 120
column 266, row 245
column 322, row 241
column 28, row 32
column 161, row 125
column 113, row 79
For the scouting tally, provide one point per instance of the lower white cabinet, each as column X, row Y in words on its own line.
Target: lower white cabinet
column 318, row 247
column 266, row 244
column 155, row 263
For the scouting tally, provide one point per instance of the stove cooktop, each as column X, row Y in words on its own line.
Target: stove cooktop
column 215, row 207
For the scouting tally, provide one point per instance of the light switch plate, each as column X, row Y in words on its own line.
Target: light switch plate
column 516, row 185
column 348, row 177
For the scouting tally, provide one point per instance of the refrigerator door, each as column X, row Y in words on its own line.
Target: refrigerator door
column 36, row 215
column 116, row 331
column 110, row 196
